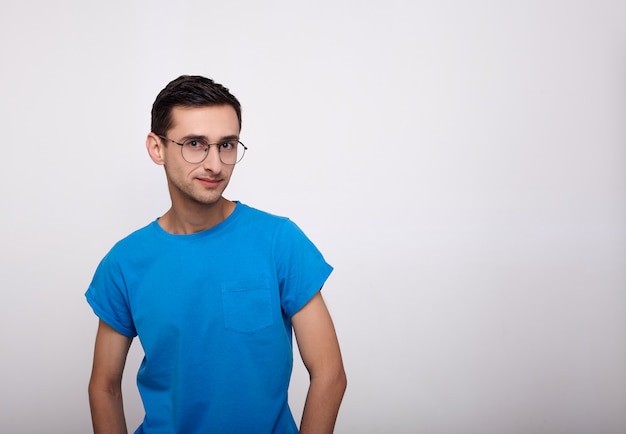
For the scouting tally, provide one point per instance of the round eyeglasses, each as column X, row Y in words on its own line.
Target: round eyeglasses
column 195, row 150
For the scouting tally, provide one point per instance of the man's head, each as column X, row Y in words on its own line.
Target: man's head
column 194, row 110
column 189, row 91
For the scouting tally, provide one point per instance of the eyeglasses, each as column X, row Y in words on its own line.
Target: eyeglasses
column 195, row 150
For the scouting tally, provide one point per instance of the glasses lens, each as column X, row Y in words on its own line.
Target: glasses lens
column 194, row 151
column 232, row 152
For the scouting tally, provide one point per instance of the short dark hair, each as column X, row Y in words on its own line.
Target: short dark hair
column 189, row 91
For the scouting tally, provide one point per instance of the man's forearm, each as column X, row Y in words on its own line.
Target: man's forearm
column 107, row 412
column 322, row 404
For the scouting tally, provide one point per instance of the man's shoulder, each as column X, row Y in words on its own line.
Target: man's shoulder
column 255, row 214
column 137, row 239
column 283, row 228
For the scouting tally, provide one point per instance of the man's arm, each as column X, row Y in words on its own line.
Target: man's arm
column 320, row 353
column 105, row 385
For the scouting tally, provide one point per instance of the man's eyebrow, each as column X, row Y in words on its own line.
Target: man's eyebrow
column 206, row 139
column 229, row 138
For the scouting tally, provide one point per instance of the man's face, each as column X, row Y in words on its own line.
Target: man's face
column 202, row 182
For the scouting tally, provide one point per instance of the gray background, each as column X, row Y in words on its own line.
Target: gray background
column 460, row 163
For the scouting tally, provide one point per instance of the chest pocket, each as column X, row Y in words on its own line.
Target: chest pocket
column 247, row 305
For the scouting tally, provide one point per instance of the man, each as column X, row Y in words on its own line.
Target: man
column 212, row 289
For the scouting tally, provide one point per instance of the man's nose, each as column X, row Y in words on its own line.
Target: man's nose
column 212, row 161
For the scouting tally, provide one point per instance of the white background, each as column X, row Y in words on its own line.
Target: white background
column 460, row 163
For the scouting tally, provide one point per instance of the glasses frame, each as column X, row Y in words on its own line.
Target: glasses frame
column 206, row 154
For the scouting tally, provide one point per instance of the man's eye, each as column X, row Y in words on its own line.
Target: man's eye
column 194, row 144
column 228, row 146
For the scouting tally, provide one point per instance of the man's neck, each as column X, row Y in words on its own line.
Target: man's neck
column 194, row 219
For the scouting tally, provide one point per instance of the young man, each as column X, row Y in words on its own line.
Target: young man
column 212, row 289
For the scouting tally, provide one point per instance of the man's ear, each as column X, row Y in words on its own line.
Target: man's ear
column 155, row 148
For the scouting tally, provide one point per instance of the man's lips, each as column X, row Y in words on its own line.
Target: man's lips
column 209, row 182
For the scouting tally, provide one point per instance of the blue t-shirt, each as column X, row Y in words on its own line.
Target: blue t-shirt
column 212, row 311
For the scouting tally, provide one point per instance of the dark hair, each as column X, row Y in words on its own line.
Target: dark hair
column 189, row 91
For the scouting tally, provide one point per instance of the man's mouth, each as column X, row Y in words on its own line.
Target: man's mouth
column 209, row 182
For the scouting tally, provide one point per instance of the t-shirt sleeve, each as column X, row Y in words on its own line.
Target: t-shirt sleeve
column 301, row 268
column 108, row 297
